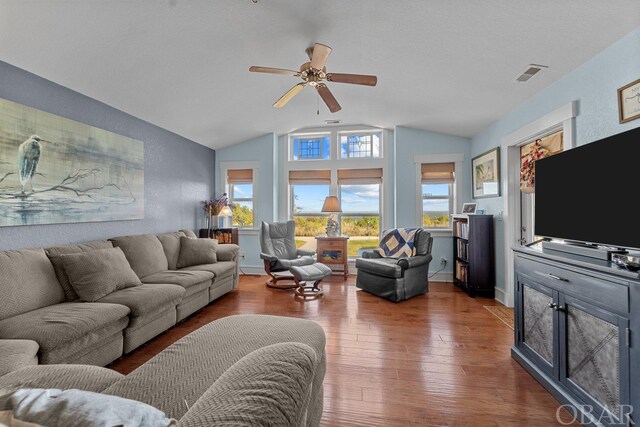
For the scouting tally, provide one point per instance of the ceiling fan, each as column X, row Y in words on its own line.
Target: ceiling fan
column 313, row 73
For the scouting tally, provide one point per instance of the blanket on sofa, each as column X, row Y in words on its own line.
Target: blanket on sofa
column 397, row 242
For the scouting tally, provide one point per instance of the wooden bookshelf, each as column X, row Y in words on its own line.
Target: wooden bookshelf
column 473, row 254
column 222, row 235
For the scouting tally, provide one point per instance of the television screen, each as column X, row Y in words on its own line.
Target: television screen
column 591, row 193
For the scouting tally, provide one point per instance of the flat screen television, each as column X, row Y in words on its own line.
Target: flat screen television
column 591, row 193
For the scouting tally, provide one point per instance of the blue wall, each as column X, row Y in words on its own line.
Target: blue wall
column 263, row 150
column 409, row 143
column 178, row 174
column 594, row 86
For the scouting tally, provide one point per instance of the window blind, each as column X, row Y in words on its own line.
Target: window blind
column 310, row 177
column 360, row 176
column 437, row 172
column 240, row 176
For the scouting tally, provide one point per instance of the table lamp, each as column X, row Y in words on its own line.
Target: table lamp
column 226, row 214
column 332, row 207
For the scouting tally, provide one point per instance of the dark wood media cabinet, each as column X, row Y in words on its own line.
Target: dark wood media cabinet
column 576, row 323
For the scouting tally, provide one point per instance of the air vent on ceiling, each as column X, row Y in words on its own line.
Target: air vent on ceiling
column 530, row 71
column 332, row 122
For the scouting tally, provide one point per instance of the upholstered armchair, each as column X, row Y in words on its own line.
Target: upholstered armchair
column 397, row 279
column 279, row 252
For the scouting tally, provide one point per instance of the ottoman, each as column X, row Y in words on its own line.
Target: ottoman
column 309, row 273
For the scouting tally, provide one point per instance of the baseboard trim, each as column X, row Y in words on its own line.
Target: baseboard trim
column 501, row 296
column 443, row 276
column 252, row 270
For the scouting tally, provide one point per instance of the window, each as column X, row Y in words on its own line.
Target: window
column 240, row 182
column 359, row 144
column 310, row 147
column 360, row 203
column 308, row 191
column 437, row 194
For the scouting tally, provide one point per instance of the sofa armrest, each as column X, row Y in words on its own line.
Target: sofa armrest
column 16, row 354
column 371, row 253
column 268, row 257
column 81, row 377
column 269, row 386
column 414, row 261
column 228, row 252
column 302, row 252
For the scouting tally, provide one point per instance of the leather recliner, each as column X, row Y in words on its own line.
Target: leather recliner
column 279, row 252
column 397, row 279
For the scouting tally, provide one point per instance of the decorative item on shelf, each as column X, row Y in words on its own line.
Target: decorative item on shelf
column 486, row 174
column 225, row 217
column 629, row 102
column 214, row 207
column 468, row 208
column 332, row 207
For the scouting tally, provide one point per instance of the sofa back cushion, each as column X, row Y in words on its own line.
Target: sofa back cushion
column 96, row 274
column 144, row 253
column 171, row 245
column 54, row 254
column 27, row 282
column 197, row 251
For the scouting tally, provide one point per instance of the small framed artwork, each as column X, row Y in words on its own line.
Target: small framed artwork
column 485, row 174
column 468, row 208
column 629, row 102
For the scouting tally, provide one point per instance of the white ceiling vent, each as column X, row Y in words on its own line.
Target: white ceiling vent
column 530, row 71
column 332, row 122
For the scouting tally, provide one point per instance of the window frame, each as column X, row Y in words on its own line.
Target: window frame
column 318, row 135
column 370, row 133
column 449, row 197
column 254, row 166
column 459, row 175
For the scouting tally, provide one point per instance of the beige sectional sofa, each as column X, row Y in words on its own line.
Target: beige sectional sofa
column 39, row 304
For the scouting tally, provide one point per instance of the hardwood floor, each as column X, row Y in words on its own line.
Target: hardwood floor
column 436, row 360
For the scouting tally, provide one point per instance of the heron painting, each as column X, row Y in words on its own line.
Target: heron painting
column 57, row 170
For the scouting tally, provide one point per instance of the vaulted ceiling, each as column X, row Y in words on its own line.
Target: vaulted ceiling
column 446, row 66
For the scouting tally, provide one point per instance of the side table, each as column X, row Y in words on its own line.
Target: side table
column 333, row 251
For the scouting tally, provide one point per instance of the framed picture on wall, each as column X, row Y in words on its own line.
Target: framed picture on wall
column 629, row 102
column 485, row 174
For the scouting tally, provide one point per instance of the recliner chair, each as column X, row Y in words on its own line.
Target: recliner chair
column 397, row 279
column 279, row 252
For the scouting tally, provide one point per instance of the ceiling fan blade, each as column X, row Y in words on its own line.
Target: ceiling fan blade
column 320, row 55
column 328, row 98
column 356, row 79
column 270, row 70
column 290, row 94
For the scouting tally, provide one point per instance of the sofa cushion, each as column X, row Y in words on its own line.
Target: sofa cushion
column 144, row 253
column 146, row 300
column 80, row 408
column 27, row 282
column 171, row 245
column 95, row 274
column 220, row 269
column 16, row 354
column 188, row 233
column 197, row 251
column 65, row 331
column 382, row 267
column 191, row 281
column 54, row 254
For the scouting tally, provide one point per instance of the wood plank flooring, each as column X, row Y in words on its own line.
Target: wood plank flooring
column 436, row 360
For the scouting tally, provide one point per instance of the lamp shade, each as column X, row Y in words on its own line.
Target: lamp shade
column 331, row 205
column 226, row 211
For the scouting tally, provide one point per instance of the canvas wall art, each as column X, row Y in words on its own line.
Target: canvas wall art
column 486, row 174
column 57, row 170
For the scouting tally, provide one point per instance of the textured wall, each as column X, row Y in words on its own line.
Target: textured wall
column 179, row 173
column 593, row 85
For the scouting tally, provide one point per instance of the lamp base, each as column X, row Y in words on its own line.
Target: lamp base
column 333, row 228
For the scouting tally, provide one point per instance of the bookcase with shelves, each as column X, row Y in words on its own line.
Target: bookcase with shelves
column 223, row 235
column 473, row 254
